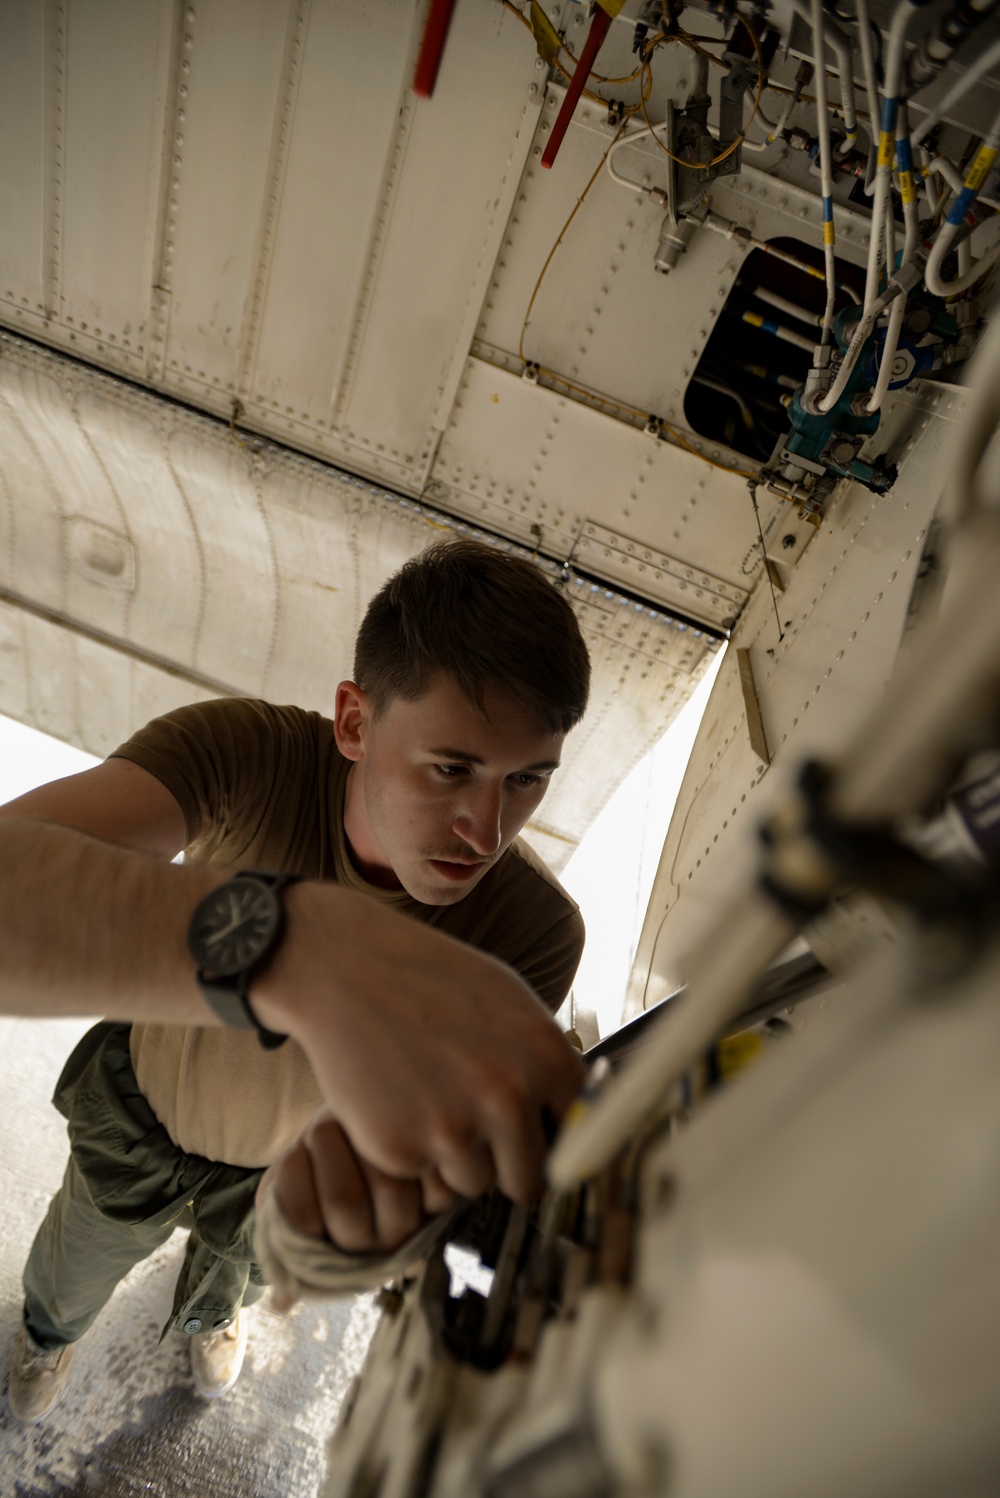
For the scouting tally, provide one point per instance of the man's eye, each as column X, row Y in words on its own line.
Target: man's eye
column 450, row 772
column 527, row 781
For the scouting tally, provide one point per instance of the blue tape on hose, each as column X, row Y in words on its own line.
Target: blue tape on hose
column 961, row 206
column 904, row 154
column 828, row 210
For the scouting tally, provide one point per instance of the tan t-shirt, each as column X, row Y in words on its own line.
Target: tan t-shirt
column 263, row 787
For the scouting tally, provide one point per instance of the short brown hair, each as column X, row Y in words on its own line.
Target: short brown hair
column 484, row 617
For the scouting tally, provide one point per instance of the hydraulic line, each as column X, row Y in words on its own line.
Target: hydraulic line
column 781, row 122
column 903, row 281
column 871, row 87
column 770, row 376
column 911, row 239
column 778, row 330
column 628, row 140
column 978, row 172
column 826, row 172
column 895, row 53
column 784, row 304
column 746, row 415
column 953, row 177
column 845, row 66
column 720, row 225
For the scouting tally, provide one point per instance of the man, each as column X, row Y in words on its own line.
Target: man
column 441, row 1070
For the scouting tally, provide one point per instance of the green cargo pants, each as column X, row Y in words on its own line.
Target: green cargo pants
column 126, row 1187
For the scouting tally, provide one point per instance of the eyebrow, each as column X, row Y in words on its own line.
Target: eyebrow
column 466, row 758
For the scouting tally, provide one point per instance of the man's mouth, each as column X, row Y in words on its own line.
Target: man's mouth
column 458, row 869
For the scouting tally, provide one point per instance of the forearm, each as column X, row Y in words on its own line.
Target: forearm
column 90, row 928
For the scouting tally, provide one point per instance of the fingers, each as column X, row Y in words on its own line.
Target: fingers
column 291, row 1178
column 438, row 1197
column 398, row 1211
column 523, row 1121
column 326, row 1190
column 464, row 1163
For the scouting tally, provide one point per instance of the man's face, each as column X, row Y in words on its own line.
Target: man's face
column 438, row 790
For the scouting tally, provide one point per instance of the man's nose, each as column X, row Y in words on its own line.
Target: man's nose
column 478, row 820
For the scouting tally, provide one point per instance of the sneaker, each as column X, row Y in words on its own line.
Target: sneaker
column 37, row 1378
column 217, row 1357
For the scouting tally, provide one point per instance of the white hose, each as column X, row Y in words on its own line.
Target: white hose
column 946, row 169
column 904, row 280
column 720, row 225
column 629, row 140
column 980, row 169
column 845, row 65
column 936, row 284
column 895, row 54
column 871, row 88
column 783, row 304
column 782, row 121
column 911, row 220
column 826, row 170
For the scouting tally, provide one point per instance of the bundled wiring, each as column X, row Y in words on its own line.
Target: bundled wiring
column 911, row 220
column 975, row 178
column 705, row 166
column 720, row 225
column 871, row 87
column 558, row 45
column 845, row 65
column 826, row 174
column 895, row 54
column 775, row 132
column 903, row 281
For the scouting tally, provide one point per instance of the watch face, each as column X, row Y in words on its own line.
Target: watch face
column 234, row 927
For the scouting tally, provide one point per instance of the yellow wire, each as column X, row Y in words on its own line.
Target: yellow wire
column 553, row 374
column 597, row 77
column 703, row 166
column 548, row 259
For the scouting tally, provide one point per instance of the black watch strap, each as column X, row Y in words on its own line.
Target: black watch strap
column 229, row 997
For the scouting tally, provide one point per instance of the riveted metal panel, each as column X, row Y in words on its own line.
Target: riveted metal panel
column 337, row 135
column 464, row 154
column 841, row 617
column 517, row 456
column 22, row 160
column 231, row 73
column 115, row 72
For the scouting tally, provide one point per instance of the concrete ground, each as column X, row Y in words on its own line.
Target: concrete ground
column 130, row 1422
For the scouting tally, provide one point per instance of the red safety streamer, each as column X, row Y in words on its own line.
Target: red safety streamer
column 599, row 28
column 432, row 47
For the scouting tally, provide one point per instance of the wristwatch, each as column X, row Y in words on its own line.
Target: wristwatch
column 233, row 931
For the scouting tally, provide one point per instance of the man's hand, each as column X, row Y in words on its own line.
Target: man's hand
column 325, row 1189
column 443, row 1064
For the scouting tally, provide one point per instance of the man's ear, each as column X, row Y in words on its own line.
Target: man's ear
column 351, row 718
